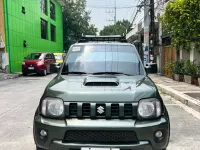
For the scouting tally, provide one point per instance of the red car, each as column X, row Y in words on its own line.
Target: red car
column 38, row 63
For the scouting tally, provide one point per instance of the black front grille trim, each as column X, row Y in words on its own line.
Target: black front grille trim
column 73, row 109
column 101, row 111
column 86, row 110
column 115, row 110
column 100, row 137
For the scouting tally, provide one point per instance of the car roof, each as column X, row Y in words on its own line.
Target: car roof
column 58, row 53
column 40, row 53
column 103, row 43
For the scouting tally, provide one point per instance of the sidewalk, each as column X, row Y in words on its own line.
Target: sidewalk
column 185, row 93
column 5, row 76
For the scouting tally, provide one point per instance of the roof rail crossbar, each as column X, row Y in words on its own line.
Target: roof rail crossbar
column 111, row 38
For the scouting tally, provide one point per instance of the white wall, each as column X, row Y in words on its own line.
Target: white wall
column 192, row 55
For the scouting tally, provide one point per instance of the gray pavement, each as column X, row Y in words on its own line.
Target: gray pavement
column 5, row 76
column 20, row 97
column 186, row 93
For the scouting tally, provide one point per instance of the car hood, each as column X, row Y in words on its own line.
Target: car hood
column 31, row 61
column 123, row 89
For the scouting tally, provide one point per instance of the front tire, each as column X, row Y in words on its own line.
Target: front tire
column 44, row 72
column 37, row 148
column 24, row 73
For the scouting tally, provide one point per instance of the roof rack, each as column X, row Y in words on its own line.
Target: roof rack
column 110, row 38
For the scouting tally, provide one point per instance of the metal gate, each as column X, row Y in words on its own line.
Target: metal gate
column 169, row 56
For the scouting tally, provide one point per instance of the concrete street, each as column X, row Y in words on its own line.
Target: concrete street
column 20, row 97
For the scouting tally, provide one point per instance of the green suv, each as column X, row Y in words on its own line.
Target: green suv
column 101, row 99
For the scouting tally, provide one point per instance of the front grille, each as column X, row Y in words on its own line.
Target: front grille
column 86, row 110
column 115, row 110
column 73, row 110
column 100, row 137
column 31, row 65
column 128, row 110
column 101, row 110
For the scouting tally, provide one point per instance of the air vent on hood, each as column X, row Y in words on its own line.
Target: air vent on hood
column 101, row 84
column 101, row 81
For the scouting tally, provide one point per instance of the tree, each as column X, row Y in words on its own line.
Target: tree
column 76, row 22
column 91, row 30
column 181, row 19
column 118, row 29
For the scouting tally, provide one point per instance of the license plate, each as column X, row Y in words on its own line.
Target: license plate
column 85, row 148
column 31, row 68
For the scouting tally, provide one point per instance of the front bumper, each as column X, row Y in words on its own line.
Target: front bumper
column 35, row 70
column 144, row 130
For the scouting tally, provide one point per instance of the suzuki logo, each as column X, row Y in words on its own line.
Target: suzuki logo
column 100, row 110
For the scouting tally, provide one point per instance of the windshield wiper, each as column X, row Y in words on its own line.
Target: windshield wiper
column 111, row 73
column 73, row 72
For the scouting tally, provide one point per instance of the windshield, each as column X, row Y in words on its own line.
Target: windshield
column 35, row 56
column 93, row 59
column 58, row 57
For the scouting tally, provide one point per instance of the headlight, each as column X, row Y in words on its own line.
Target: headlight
column 149, row 108
column 40, row 63
column 52, row 107
column 23, row 63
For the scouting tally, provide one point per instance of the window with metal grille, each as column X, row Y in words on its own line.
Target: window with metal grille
column 43, row 6
column 52, row 10
column 53, row 33
column 44, row 29
column 23, row 10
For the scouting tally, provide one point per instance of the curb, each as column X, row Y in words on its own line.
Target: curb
column 183, row 98
column 10, row 76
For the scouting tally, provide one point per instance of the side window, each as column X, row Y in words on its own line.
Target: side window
column 47, row 56
column 52, row 56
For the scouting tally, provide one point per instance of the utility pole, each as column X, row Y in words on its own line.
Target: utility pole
column 146, row 31
column 112, row 11
column 115, row 12
column 152, row 30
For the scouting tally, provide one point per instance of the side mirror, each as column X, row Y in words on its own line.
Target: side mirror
column 24, row 57
column 147, row 67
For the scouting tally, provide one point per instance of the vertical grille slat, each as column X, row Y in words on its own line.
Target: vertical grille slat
column 79, row 111
column 101, row 110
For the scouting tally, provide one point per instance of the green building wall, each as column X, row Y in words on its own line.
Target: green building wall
column 20, row 27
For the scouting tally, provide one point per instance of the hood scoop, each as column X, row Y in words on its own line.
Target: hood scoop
column 101, row 81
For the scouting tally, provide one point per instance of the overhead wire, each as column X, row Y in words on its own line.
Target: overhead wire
column 138, row 10
column 104, row 7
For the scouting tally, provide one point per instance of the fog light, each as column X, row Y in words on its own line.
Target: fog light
column 158, row 134
column 43, row 133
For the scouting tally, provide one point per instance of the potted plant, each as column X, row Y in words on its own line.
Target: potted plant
column 198, row 74
column 189, row 71
column 178, row 69
column 169, row 69
column 195, row 75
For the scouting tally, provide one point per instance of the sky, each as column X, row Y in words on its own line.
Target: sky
column 125, row 10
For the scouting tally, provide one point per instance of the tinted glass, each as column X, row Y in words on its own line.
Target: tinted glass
column 48, row 56
column 103, row 58
column 35, row 56
column 58, row 57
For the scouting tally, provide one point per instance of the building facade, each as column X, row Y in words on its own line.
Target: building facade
column 30, row 26
column 142, row 30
